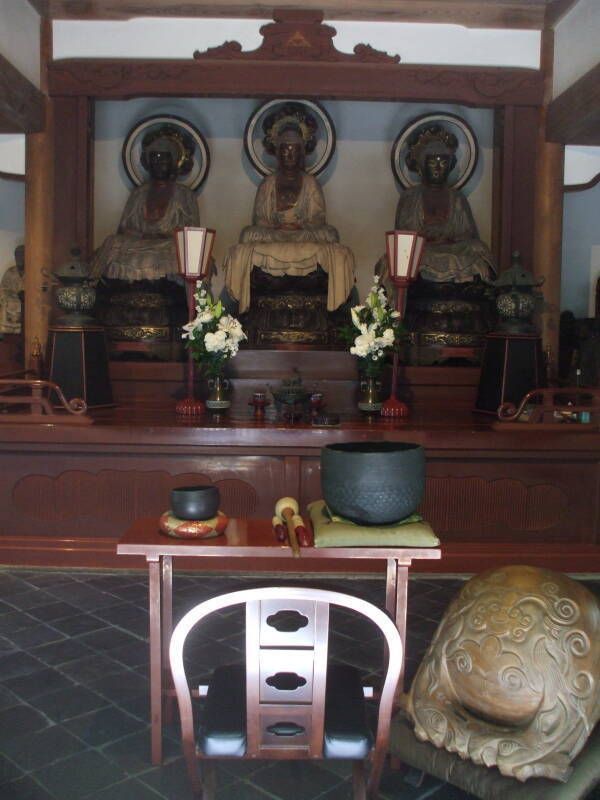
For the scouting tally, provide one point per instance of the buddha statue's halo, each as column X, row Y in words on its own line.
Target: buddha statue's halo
column 290, row 115
column 430, row 140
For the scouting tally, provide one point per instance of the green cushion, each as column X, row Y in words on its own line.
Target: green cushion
column 343, row 533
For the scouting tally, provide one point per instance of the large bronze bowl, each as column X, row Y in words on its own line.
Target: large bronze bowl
column 373, row 483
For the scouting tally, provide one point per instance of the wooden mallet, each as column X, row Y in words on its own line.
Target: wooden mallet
column 285, row 509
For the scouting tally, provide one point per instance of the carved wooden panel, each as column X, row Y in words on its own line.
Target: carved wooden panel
column 483, row 86
column 470, row 503
column 118, row 497
column 297, row 35
column 545, row 501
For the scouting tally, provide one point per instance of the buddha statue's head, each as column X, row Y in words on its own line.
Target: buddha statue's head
column 290, row 135
column 161, row 157
column 290, row 149
column 432, row 154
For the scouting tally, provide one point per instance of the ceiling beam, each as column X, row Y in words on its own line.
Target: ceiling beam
column 574, row 116
column 524, row 14
column 556, row 10
column 21, row 104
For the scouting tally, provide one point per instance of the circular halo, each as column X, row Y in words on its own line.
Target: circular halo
column 265, row 163
column 194, row 171
column 466, row 153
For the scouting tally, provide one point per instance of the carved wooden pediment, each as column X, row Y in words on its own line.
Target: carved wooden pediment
column 297, row 36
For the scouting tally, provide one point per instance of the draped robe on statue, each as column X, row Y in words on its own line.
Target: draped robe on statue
column 280, row 251
column 454, row 252
column 134, row 253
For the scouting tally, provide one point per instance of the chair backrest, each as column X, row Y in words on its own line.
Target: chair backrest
column 286, row 639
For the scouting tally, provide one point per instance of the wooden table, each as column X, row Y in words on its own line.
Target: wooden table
column 243, row 538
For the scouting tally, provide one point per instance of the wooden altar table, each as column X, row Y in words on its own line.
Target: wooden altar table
column 242, row 539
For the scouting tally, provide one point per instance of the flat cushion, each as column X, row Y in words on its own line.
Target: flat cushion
column 347, row 734
column 222, row 730
column 336, row 532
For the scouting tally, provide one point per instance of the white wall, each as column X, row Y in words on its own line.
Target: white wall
column 577, row 50
column 580, row 250
column 12, row 216
column 20, row 37
column 576, row 44
column 20, row 44
column 178, row 38
column 359, row 185
column 12, row 198
column 582, row 164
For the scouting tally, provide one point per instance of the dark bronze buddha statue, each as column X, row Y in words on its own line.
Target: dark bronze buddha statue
column 141, row 298
column 449, row 306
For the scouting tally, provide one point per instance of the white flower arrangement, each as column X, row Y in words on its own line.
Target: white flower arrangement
column 212, row 337
column 378, row 327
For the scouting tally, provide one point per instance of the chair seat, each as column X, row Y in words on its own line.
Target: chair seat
column 222, row 731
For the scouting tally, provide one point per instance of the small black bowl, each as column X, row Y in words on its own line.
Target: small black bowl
column 195, row 502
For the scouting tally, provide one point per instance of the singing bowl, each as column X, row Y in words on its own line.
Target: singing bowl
column 195, row 502
column 373, row 483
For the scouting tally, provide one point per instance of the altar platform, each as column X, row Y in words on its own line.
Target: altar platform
column 67, row 493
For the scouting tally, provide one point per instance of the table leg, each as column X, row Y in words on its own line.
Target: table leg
column 156, row 667
column 167, row 629
column 400, row 612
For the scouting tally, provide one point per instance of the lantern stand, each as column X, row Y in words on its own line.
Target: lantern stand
column 404, row 250
column 194, row 248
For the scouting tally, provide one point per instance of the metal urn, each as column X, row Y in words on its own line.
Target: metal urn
column 75, row 293
column 516, row 300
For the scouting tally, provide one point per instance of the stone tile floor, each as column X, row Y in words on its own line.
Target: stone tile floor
column 74, row 690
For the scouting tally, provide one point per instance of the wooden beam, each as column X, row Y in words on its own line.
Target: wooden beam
column 41, row 6
column 21, row 104
column 556, row 10
column 123, row 78
column 522, row 14
column 574, row 116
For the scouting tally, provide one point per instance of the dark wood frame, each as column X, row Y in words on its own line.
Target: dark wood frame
column 298, row 57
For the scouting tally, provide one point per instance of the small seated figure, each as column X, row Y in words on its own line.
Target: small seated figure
column 11, row 294
column 449, row 300
column 142, row 292
column 289, row 250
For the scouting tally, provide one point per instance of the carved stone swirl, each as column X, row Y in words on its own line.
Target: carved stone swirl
column 511, row 678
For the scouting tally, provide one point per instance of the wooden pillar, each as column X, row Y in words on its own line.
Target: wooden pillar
column 549, row 213
column 39, row 184
column 72, row 206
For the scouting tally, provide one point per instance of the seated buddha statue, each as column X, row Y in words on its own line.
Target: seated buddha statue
column 448, row 305
column 289, row 269
column 141, row 296
column 11, row 294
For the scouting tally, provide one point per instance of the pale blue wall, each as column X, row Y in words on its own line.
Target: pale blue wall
column 581, row 233
column 12, row 220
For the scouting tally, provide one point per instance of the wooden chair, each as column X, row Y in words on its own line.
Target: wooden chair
column 285, row 702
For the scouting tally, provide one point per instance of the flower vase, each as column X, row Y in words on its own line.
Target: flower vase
column 369, row 400
column 217, row 401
